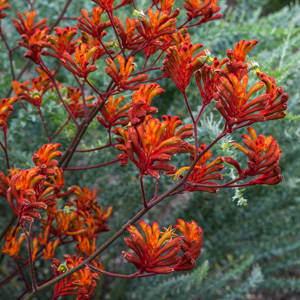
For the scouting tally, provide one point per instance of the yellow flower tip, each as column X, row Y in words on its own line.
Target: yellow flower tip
column 206, row 58
column 139, row 14
column 63, row 268
column 225, row 146
column 253, row 66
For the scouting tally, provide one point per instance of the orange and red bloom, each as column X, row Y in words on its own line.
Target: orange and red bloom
column 159, row 252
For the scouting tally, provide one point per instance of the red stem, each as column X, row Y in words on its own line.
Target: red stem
column 95, row 149
column 194, row 123
column 92, row 167
column 44, row 124
column 28, row 237
column 134, row 275
column 58, row 92
column 60, row 129
column 81, row 86
column 143, row 191
column 22, row 274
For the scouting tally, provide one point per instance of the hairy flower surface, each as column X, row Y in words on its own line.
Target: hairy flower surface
column 141, row 101
column 159, row 24
column 93, row 26
column 82, row 283
column 27, row 26
column 12, row 242
column 121, row 77
column 155, row 254
column 6, row 109
column 61, row 43
column 264, row 156
column 180, row 63
column 80, row 64
column 192, row 242
column 3, row 6
column 34, row 94
column 112, row 115
column 233, row 95
column 151, row 144
column 75, row 102
column 203, row 173
column 206, row 9
column 129, row 38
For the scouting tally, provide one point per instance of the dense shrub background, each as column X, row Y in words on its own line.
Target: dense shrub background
column 249, row 252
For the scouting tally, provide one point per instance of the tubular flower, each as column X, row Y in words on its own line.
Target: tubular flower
column 121, row 78
column 79, row 65
column 61, row 43
column 84, row 246
column 44, row 158
column 93, row 26
column 3, row 6
column 49, row 250
column 141, row 101
column 232, row 97
column 207, row 81
column 12, row 242
column 203, row 172
column 75, row 102
column 122, row 140
column 64, row 223
column 148, row 144
column 264, row 156
column 81, row 283
column 179, row 63
column 101, row 217
column 205, row 9
column 274, row 109
column 86, row 199
column 128, row 38
column 165, row 42
column 166, row 5
column 35, row 93
column 174, row 122
column 34, row 43
column 35, row 248
column 105, row 4
column 28, row 26
column 192, row 242
column 26, row 188
column 160, row 24
column 155, row 254
column 6, row 109
column 111, row 113
column 43, row 240
column 96, row 42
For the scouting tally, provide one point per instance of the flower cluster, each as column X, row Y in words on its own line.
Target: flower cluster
column 158, row 253
column 6, row 109
column 3, row 6
column 34, row 94
column 151, row 144
column 206, row 9
column 121, row 77
column 264, row 156
column 180, row 63
column 203, row 172
column 233, row 98
column 81, row 283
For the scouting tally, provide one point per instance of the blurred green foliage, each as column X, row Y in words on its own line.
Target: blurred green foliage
column 249, row 251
